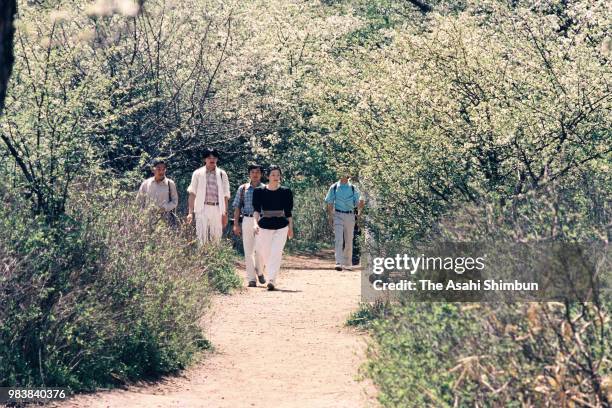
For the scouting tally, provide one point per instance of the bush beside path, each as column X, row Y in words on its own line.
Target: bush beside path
column 287, row 348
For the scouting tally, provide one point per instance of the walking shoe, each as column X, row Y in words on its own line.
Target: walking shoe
column 338, row 267
column 252, row 284
column 348, row 267
column 261, row 279
column 270, row 286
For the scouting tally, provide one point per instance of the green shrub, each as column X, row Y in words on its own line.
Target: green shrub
column 367, row 314
column 411, row 359
column 310, row 220
column 101, row 298
column 504, row 355
column 508, row 355
column 220, row 267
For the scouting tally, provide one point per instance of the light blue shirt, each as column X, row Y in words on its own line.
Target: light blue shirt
column 345, row 197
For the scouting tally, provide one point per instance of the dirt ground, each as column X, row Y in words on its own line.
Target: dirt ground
column 287, row 348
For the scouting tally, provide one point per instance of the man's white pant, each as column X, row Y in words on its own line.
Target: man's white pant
column 344, row 225
column 208, row 224
column 252, row 259
column 269, row 244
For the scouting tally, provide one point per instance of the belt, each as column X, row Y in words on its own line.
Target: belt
column 343, row 212
column 209, row 203
column 273, row 213
column 247, row 215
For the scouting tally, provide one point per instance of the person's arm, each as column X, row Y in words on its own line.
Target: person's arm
column 256, row 209
column 226, row 196
column 236, row 227
column 193, row 187
column 359, row 201
column 190, row 205
column 289, row 215
column 290, row 231
column 236, row 205
column 329, row 199
column 171, row 205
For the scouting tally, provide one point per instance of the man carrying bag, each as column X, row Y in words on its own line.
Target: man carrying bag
column 343, row 202
column 158, row 193
column 244, row 225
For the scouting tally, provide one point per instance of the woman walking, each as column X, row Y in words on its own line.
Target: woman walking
column 272, row 206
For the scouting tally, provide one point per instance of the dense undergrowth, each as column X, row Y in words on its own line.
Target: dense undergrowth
column 101, row 297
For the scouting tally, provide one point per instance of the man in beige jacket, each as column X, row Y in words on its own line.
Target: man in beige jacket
column 158, row 193
column 209, row 194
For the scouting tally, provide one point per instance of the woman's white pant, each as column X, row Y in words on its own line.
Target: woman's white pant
column 208, row 224
column 269, row 245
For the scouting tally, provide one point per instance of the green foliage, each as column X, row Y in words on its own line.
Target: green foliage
column 222, row 274
column 101, row 299
column 490, row 355
column 367, row 314
column 421, row 344
column 309, row 219
column 490, row 121
column 476, row 106
column 509, row 354
column 475, row 119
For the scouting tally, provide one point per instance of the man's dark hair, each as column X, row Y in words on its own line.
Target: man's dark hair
column 211, row 152
column 274, row 167
column 158, row 161
column 254, row 166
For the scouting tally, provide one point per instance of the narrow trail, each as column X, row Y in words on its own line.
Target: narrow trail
column 287, row 348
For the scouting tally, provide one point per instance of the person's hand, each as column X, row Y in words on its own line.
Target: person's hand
column 256, row 229
column 224, row 220
column 236, row 229
column 290, row 233
column 330, row 222
column 189, row 218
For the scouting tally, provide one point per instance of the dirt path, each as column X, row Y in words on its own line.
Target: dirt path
column 287, row 348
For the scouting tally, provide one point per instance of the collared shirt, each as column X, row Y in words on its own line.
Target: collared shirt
column 212, row 191
column 247, row 204
column 344, row 197
column 199, row 187
column 161, row 194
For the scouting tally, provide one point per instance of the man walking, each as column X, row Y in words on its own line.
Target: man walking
column 159, row 193
column 209, row 194
column 243, row 206
column 343, row 199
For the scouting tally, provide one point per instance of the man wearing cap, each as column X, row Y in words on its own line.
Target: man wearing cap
column 343, row 198
column 243, row 206
column 209, row 194
column 159, row 193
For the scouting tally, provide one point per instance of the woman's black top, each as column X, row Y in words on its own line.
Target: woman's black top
column 279, row 199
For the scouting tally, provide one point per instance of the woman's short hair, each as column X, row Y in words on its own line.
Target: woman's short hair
column 274, row 167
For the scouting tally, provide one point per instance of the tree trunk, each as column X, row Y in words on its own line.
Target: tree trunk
column 7, row 32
